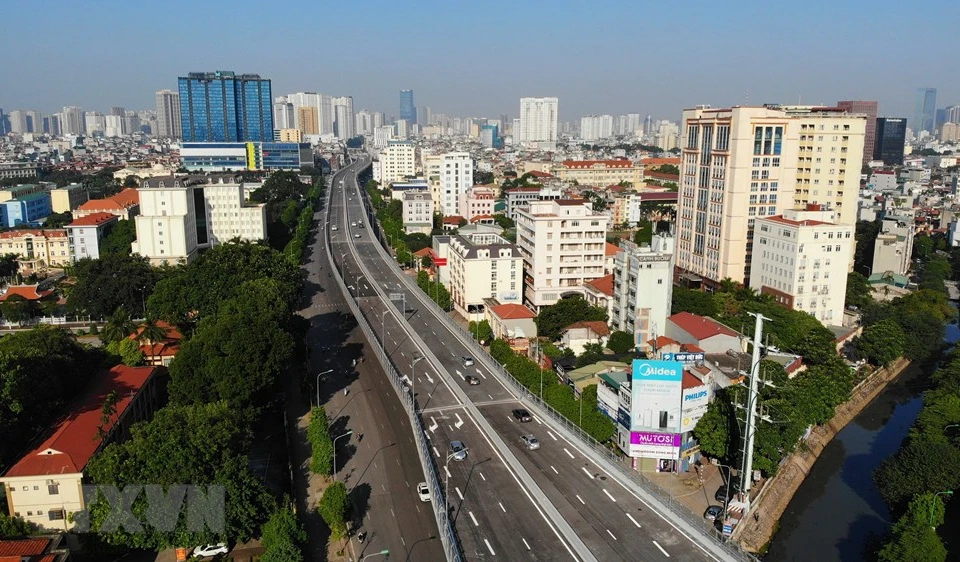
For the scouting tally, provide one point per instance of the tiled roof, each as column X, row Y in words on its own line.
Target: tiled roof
column 29, row 292
column 661, row 342
column 454, row 219
column 655, row 162
column 119, row 202
column 170, row 345
column 689, row 380
column 74, row 441
column 603, row 284
column 598, row 327
column 53, row 233
column 781, row 220
column 611, row 249
column 24, row 547
column 585, row 164
column 479, row 218
column 424, row 252
column 700, row 327
column 93, row 219
column 512, row 312
column 539, row 174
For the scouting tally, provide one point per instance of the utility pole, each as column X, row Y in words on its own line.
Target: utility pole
column 751, row 421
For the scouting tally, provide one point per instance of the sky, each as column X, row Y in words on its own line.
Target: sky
column 478, row 58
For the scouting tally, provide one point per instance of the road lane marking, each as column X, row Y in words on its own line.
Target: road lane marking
column 474, row 519
column 611, row 534
column 490, row 548
column 491, row 396
column 552, row 436
column 501, row 507
column 447, row 470
column 536, row 419
column 482, row 476
column 459, row 493
column 630, row 517
column 581, row 499
column 665, row 553
column 554, row 469
column 525, row 543
column 568, row 453
column 479, row 372
column 592, row 477
column 609, row 496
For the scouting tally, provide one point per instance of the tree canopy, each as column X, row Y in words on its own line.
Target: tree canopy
column 554, row 318
column 118, row 238
column 914, row 536
column 109, row 282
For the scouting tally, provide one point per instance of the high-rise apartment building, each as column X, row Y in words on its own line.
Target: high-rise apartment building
column 538, row 122
column 308, row 120
column 343, row 125
column 890, row 141
column 563, row 243
column 744, row 163
column 596, row 127
column 801, row 258
column 870, row 109
column 408, row 110
column 642, row 288
column 284, row 114
column 456, row 177
column 72, row 121
column 363, row 122
column 952, row 114
column 382, row 135
column 94, row 122
column 168, row 114
column 223, row 106
column 398, row 161
column 18, row 122
column 926, row 108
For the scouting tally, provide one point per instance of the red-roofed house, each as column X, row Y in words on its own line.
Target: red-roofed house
column 599, row 172
column 160, row 352
column 44, row 486
column 125, row 205
column 610, row 257
column 706, row 333
column 34, row 549
column 512, row 322
column 599, row 292
column 577, row 335
column 28, row 292
column 86, row 232
column 452, row 222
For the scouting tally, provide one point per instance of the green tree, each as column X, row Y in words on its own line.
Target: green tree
column 644, row 234
column 280, row 186
column 914, row 536
column 554, row 318
column 335, row 508
column 118, row 326
column 859, row 291
column 117, row 238
column 923, row 464
column 131, row 181
column 667, row 169
column 58, row 220
column 318, row 434
column 693, row 301
column 621, row 342
column 881, row 343
column 481, row 330
column 17, row 309
column 866, row 236
column 113, row 280
column 503, row 221
column 283, row 537
column 16, row 527
column 127, row 350
column 150, row 332
column 592, row 353
column 716, row 431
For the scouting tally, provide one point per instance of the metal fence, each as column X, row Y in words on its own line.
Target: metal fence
column 451, row 544
column 612, row 460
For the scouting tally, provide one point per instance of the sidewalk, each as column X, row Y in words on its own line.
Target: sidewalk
column 686, row 487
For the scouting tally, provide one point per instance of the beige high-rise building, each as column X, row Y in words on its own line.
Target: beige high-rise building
column 744, row 163
column 308, row 120
column 168, row 114
column 397, row 162
column 432, row 164
column 290, row 135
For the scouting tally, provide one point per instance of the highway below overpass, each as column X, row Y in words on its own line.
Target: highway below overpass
column 510, row 503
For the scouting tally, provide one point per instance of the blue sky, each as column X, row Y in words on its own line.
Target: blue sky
column 477, row 58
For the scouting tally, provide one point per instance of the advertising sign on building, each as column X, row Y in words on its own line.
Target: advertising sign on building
column 656, row 388
column 685, row 357
column 693, row 406
column 650, row 445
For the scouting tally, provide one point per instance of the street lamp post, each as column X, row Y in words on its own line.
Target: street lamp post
column 318, row 384
column 334, row 471
column 413, row 381
column 385, row 553
column 943, row 493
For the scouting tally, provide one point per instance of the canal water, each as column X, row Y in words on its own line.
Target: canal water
column 837, row 514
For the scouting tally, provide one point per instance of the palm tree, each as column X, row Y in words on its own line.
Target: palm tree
column 151, row 333
column 728, row 285
column 118, row 326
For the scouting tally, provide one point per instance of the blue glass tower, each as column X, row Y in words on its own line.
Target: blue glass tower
column 408, row 111
column 225, row 107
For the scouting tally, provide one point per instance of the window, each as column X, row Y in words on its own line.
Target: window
column 55, row 514
column 53, row 488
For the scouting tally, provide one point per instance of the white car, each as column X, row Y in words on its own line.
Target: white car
column 353, row 224
column 333, row 227
column 423, row 491
column 211, row 549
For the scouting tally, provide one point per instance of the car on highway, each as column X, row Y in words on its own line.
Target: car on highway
column 211, row 549
column 357, row 235
column 713, row 512
column 530, row 442
column 423, row 491
column 333, row 227
column 472, row 380
column 467, row 361
column 459, row 450
column 522, row 415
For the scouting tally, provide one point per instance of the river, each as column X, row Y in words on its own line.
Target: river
column 837, row 513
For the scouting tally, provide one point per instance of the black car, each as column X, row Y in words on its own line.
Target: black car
column 472, row 380
column 522, row 415
column 725, row 494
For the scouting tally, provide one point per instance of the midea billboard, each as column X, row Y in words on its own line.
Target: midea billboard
column 656, row 389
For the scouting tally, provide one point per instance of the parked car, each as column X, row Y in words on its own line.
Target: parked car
column 530, row 442
column 522, row 415
column 472, row 380
column 459, row 450
column 724, row 495
column 713, row 512
column 467, row 361
column 423, row 491
column 211, row 549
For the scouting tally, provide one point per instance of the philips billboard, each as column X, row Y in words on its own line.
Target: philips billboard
column 656, row 395
column 694, row 405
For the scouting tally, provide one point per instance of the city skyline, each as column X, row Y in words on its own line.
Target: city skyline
column 810, row 62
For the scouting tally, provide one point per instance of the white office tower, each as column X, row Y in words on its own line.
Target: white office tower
column 363, row 123
column 801, row 258
column 94, row 122
column 382, row 135
column 402, row 129
column 328, row 115
column 596, row 127
column 114, row 126
column 538, row 123
column 168, row 114
column 378, row 119
column 72, row 121
column 642, row 288
column 634, row 125
column 398, row 161
column 563, row 243
column 343, row 125
column 456, row 177
column 284, row 114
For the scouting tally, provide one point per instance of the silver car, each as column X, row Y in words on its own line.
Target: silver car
column 530, row 442
column 459, row 450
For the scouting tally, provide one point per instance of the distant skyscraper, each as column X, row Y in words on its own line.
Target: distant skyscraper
column 284, row 114
column 952, row 114
column 223, row 106
column 891, row 137
column 538, row 122
column 634, row 123
column 3, row 122
column 648, row 124
column 868, row 108
column 925, row 110
column 18, row 122
column 595, row 127
column 94, row 122
column 343, row 124
column 168, row 114
column 71, row 120
column 308, row 120
column 51, row 124
column 408, row 111
column 118, row 111
column 34, row 121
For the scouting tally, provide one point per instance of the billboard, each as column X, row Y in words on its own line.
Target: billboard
column 651, row 445
column 694, row 405
column 656, row 388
